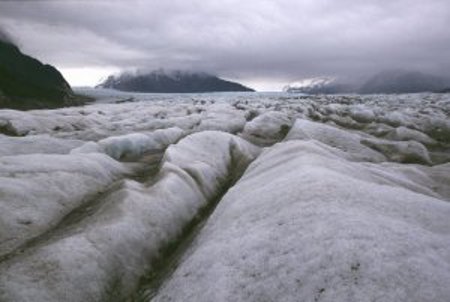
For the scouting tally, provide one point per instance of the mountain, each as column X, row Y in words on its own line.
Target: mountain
column 318, row 85
column 174, row 81
column 398, row 81
column 26, row 83
column 389, row 81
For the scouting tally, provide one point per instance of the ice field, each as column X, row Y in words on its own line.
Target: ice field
column 227, row 197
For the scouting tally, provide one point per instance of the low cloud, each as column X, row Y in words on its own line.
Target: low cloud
column 279, row 40
column 5, row 37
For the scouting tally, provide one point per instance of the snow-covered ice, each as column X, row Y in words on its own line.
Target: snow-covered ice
column 109, row 250
column 132, row 145
column 38, row 190
column 267, row 128
column 304, row 224
column 44, row 144
column 327, row 198
column 347, row 141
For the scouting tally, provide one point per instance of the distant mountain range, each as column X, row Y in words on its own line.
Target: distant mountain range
column 392, row 81
column 26, row 83
column 161, row 81
column 403, row 82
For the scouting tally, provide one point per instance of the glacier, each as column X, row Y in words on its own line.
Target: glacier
column 227, row 197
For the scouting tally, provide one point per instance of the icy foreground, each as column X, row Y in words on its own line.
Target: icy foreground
column 338, row 198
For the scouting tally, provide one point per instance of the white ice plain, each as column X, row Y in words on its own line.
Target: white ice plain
column 319, row 198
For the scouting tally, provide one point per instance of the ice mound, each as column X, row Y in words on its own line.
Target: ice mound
column 437, row 128
column 406, row 134
column 36, row 144
column 267, row 128
column 19, row 123
column 222, row 117
column 403, row 152
column 396, row 119
column 440, row 174
column 196, row 154
column 38, row 190
column 133, row 145
column 346, row 141
column 433, row 181
column 362, row 114
column 298, row 228
column 105, row 254
column 380, row 130
column 97, row 121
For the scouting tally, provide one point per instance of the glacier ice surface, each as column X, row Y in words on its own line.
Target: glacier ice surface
column 342, row 198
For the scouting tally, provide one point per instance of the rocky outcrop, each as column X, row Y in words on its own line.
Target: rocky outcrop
column 26, row 83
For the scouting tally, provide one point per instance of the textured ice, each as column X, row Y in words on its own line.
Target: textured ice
column 221, row 117
column 406, row 134
column 267, row 128
column 38, row 190
column 36, row 144
column 404, row 152
column 351, row 205
column 362, row 114
column 346, row 141
column 133, row 145
column 98, row 121
column 105, row 256
column 299, row 227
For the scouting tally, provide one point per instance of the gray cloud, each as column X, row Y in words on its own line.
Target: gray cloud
column 5, row 37
column 280, row 40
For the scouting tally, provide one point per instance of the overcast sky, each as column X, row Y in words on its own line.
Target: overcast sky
column 265, row 44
